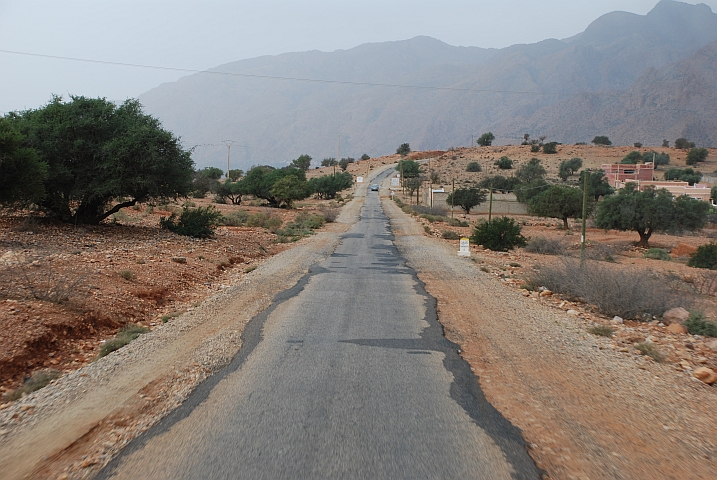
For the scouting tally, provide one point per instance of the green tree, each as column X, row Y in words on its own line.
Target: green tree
column 650, row 211
column 102, row 157
column 486, row 140
column 235, row 174
column 499, row 235
column 329, row 162
column 404, row 149
column 633, row 157
column 473, row 167
column 601, row 140
column 365, row 157
column 658, row 158
column 259, row 181
column 410, row 168
column 199, row 222
column 683, row 144
column 568, row 168
column 713, row 194
column 287, row 189
column 22, row 174
column 466, row 198
column 229, row 190
column 550, row 148
column 345, row 162
column 558, row 202
column 213, row 173
column 530, row 171
column 696, row 155
column 302, row 163
column 504, row 163
column 598, row 185
column 684, row 175
column 500, row 183
column 327, row 186
column 524, row 192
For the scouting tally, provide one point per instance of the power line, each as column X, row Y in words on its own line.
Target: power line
column 300, row 79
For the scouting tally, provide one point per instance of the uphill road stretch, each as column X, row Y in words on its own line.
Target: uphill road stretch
column 346, row 375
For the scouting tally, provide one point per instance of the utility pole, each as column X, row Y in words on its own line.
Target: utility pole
column 585, row 209
column 229, row 144
column 490, row 205
column 453, row 193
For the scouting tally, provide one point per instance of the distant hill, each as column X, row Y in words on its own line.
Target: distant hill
column 569, row 90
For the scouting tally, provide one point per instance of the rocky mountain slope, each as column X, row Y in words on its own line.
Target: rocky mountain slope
column 618, row 77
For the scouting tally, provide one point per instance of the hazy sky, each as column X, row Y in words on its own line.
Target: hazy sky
column 201, row 35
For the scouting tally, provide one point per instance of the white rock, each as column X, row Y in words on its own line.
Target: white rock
column 573, row 312
column 617, row 320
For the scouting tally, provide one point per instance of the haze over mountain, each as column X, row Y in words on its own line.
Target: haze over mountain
column 631, row 77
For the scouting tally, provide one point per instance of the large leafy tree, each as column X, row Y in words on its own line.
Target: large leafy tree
column 650, row 211
column 598, row 186
column 409, row 168
column 259, row 181
column 404, row 149
column 466, row 198
column 568, row 168
column 531, row 171
column 558, row 202
column 102, row 157
column 327, row 186
column 22, row 174
column 683, row 174
column 302, row 163
column 486, row 140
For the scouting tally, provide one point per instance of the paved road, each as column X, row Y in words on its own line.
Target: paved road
column 348, row 375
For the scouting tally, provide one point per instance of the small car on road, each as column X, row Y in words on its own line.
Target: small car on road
column 374, row 187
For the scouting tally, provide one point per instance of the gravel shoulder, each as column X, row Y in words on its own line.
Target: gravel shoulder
column 585, row 409
column 73, row 427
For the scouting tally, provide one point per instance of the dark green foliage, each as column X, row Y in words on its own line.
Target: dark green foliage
column 558, row 202
column 404, row 149
column 344, row 163
column 259, row 181
column 650, row 211
column 684, row 144
column 504, row 163
column 696, row 155
column 328, row 186
column 658, row 158
column 658, row 254
column 302, row 163
column 500, row 183
column 123, row 337
column 550, row 148
column 486, row 140
column 303, row 225
column 525, row 192
column 474, row 167
column 713, row 193
column 365, row 157
column 201, row 184
column 237, row 218
column 229, row 190
column 450, row 235
column 637, row 145
column 22, row 173
column 633, row 157
column 601, row 140
column 408, row 168
column 264, row 220
column 532, row 170
column 289, row 188
column 212, row 172
column 98, row 153
column 466, row 198
column 499, row 235
column 697, row 324
column 598, row 185
column 568, row 168
column 534, row 148
column 683, row 174
column 329, row 162
column 235, row 174
column 198, row 222
column 704, row 257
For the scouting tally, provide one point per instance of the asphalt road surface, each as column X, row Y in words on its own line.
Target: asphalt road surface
column 347, row 375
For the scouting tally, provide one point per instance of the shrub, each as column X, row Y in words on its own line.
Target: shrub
column 602, row 330
column 127, row 275
column 550, row 148
column 649, row 349
column 404, row 149
column 601, row 140
column 499, row 235
column 199, row 223
column 264, row 220
column 696, row 324
column 657, row 254
column 38, row 380
column 450, row 235
column 704, row 257
column 545, row 246
column 454, row 222
column 123, row 337
column 535, row 148
column 474, row 167
column 504, row 163
column 683, row 144
column 302, row 226
column 330, row 213
column 696, row 155
column 237, row 218
column 626, row 293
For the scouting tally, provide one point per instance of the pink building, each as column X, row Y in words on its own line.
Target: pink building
column 617, row 172
column 697, row 191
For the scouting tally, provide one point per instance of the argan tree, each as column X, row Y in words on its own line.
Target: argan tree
column 650, row 211
column 466, row 198
column 404, row 149
column 558, row 202
column 486, row 140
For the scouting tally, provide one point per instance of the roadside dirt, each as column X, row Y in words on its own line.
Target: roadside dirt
column 588, row 406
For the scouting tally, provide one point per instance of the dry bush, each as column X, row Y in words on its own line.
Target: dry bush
column 38, row 380
column 40, row 281
column 705, row 282
column 330, row 213
column 545, row 246
column 614, row 291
